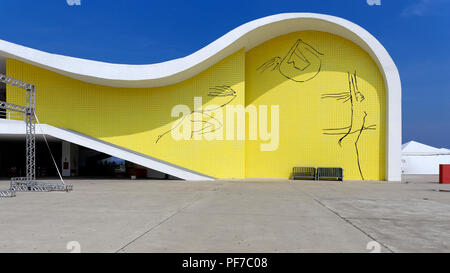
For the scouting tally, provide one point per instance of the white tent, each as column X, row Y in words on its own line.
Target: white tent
column 418, row 158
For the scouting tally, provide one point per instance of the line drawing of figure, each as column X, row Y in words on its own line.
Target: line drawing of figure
column 209, row 123
column 301, row 59
column 358, row 116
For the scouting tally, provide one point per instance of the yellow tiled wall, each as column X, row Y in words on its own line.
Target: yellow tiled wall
column 306, row 74
column 312, row 104
column 134, row 118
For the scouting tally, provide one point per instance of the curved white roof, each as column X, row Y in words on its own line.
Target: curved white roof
column 246, row 36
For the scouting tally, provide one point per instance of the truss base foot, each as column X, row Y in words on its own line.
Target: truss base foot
column 39, row 187
column 7, row 193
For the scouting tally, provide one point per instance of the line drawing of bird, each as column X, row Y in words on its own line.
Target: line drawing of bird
column 301, row 59
column 358, row 120
column 208, row 122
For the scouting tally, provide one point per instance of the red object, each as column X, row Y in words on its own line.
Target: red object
column 444, row 174
column 137, row 172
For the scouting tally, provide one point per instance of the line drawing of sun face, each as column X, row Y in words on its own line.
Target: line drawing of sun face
column 301, row 64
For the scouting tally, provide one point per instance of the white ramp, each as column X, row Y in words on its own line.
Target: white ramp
column 12, row 127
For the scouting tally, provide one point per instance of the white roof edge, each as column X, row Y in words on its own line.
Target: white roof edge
column 245, row 36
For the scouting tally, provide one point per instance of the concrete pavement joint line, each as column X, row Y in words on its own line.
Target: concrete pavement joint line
column 347, row 221
column 355, row 226
column 160, row 223
column 155, row 226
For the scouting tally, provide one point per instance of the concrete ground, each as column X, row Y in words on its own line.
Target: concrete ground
column 230, row 216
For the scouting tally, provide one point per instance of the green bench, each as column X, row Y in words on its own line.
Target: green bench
column 302, row 173
column 330, row 173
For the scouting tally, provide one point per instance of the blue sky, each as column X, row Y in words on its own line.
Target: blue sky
column 415, row 32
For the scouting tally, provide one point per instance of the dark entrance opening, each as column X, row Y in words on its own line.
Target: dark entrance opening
column 85, row 163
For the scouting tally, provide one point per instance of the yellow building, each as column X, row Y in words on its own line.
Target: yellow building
column 282, row 91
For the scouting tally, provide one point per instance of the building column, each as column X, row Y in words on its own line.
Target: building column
column 69, row 159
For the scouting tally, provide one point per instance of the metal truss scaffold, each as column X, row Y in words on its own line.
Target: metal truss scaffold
column 29, row 182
